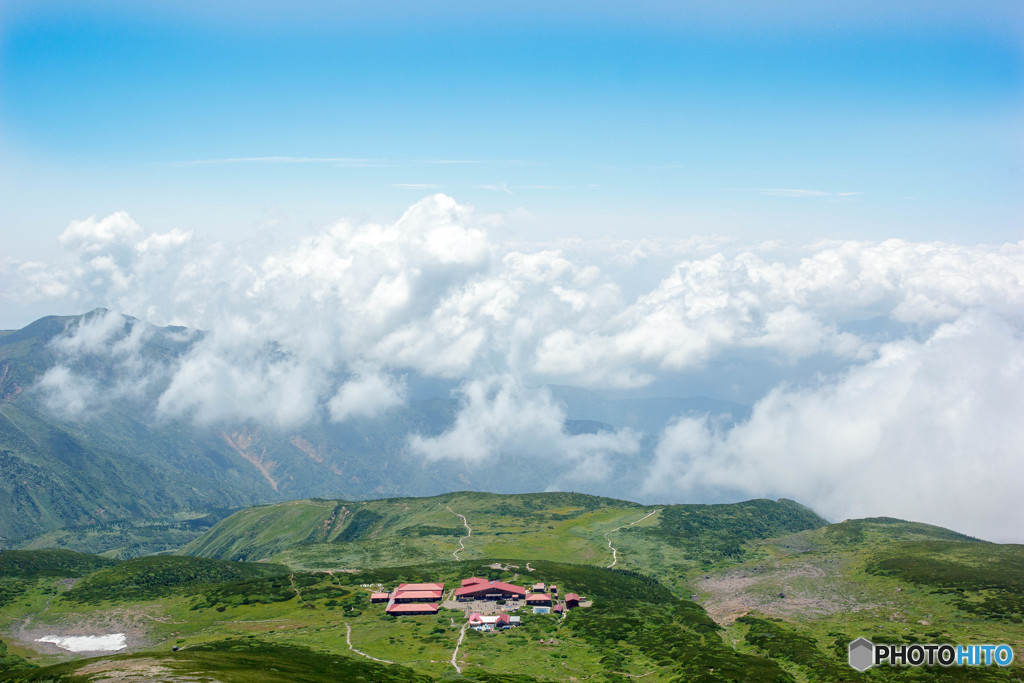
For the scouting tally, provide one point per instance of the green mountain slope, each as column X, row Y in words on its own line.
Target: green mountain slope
column 101, row 467
column 33, row 564
column 191, row 619
column 667, row 542
column 90, row 463
column 420, row 528
column 304, row 626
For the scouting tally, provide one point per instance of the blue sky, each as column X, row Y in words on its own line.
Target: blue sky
column 660, row 119
column 810, row 208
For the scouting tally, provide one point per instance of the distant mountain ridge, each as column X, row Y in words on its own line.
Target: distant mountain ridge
column 111, row 475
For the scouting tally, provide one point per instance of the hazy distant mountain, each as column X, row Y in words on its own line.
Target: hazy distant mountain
column 82, row 445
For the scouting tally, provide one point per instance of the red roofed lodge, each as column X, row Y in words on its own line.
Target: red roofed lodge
column 490, row 590
column 420, row 587
column 417, row 596
column 411, row 609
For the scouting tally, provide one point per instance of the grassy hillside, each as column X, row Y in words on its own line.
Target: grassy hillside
column 783, row 609
column 662, row 541
column 299, row 627
column 121, row 477
column 32, row 564
column 716, row 533
column 980, row 578
column 316, row 626
column 160, row 575
column 797, row 596
column 114, row 465
column 12, row 663
column 417, row 528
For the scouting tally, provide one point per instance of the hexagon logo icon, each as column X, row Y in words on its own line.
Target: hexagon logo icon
column 862, row 654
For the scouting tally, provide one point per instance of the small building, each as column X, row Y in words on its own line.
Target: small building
column 380, row 597
column 411, row 609
column 558, row 609
column 542, row 599
column 552, row 589
column 488, row 622
column 571, row 600
column 539, row 588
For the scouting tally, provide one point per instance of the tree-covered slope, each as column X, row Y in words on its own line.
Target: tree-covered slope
column 562, row 523
column 666, row 542
column 92, row 460
column 33, row 564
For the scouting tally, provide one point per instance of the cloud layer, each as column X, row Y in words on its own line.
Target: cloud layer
column 926, row 430
column 922, row 345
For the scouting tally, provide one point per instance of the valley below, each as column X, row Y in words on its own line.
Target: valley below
column 760, row 590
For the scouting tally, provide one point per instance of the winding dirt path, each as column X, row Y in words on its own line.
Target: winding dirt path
column 615, row 553
column 348, row 639
column 291, row 580
column 469, row 531
column 28, row 619
column 455, row 653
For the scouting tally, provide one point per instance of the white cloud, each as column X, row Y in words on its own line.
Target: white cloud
column 92, row 235
column 368, row 394
column 323, row 325
column 68, row 394
column 229, row 377
column 502, row 420
column 100, row 360
column 927, row 431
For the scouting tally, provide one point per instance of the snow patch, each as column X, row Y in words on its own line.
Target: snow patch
column 113, row 641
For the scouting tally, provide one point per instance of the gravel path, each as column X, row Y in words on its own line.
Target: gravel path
column 348, row 639
column 291, row 580
column 615, row 553
column 455, row 653
column 469, row 531
column 28, row 619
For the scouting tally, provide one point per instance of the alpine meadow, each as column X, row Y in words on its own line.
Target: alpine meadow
column 511, row 342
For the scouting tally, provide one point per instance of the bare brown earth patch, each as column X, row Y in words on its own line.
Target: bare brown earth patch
column 144, row 669
column 244, row 442
column 134, row 622
column 792, row 588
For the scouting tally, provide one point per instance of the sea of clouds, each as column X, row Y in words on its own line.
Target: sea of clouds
column 896, row 368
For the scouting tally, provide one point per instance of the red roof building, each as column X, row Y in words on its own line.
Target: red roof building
column 571, row 600
column 417, row 596
column 380, row 597
column 538, row 587
column 538, row 599
column 497, row 621
column 558, row 609
column 420, row 587
column 473, row 579
column 412, row 609
column 490, row 590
